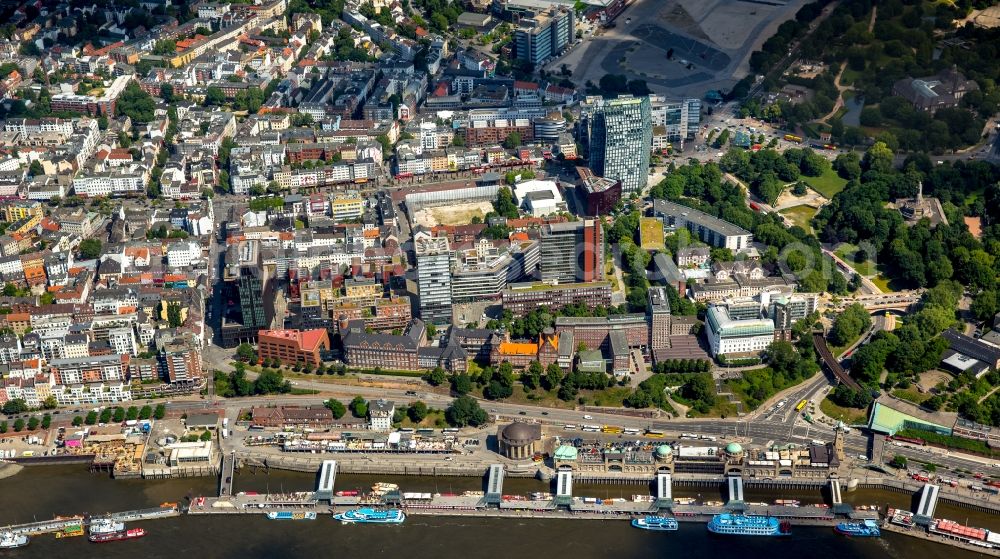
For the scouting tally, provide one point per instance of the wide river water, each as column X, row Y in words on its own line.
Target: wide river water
column 41, row 492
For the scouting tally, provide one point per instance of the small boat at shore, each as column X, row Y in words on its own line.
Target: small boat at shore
column 863, row 529
column 291, row 515
column 10, row 540
column 70, row 531
column 655, row 523
column 787, row 502
column 371, row 516
column 381, row 488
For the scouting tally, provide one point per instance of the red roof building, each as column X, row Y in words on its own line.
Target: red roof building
column 293, row 346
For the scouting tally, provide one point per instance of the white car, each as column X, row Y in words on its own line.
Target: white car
column 588, row 417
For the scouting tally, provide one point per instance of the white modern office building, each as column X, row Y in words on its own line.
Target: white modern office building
column 706, row 228
column 731, row 336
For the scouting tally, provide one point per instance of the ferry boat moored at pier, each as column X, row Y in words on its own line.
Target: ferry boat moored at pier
column 748, row 525
column 10, row 540
column 656, row 523
column 371, row 516
column 291, row 515
column 106, row 526
column 863, row 529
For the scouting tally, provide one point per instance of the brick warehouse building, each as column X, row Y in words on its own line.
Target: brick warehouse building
column 292, row 346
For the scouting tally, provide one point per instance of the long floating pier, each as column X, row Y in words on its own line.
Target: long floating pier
column 61, row 523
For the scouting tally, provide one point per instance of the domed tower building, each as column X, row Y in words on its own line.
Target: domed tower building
column 734, row 457
column 664, row 458
column 519, row 440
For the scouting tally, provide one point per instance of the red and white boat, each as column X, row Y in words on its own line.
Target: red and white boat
column 129, row 534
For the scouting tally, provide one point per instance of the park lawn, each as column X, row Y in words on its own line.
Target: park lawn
column 722, row 409
column 911, row 395
column 850, row 416
column 882, row 282
column 612, row 397
column 741, row 386
column 474, row 368
column 846, row 253
column 435, row 418
column 837, row 350
column 849, row 76
column 886, row 284
column 800, row 215
column 828, row 184
column 809, row 130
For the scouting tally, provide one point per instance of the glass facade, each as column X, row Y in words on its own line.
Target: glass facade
column 621, row 137
column 544, row 36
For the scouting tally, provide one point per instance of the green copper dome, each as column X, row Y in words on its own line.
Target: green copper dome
column 664, row 450
column 566, row 452
column 734, row 448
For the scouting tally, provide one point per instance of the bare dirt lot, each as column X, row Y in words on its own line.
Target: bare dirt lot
column 452, row 214
column 787, row 200
column 930, row 379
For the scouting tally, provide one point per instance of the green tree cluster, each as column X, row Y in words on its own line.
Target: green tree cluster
column 90, row 248
column 336, row 407
column 915, row 346
column 465, row 411
column 136, row 104
column 359, row 407
column 850, row 324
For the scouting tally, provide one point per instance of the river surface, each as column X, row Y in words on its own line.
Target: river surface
column 40, row 492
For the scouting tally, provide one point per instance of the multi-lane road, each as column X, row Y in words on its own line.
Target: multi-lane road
column 770, row 424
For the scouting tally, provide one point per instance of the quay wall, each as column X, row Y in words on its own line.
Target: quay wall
column 57, row 460
column 301, row 463
column 8, row 469
column 347, row 465
column 351, row 465
column 929, row 537
column 900, row 486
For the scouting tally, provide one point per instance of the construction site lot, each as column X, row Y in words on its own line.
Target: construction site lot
column 452, row 214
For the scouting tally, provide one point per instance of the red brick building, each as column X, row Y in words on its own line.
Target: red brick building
column 522, row 298
column 293, row 346
column 483, row 136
